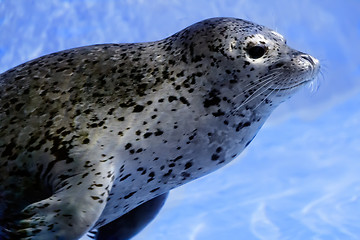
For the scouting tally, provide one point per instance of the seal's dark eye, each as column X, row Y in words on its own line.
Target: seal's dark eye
column 256, row 51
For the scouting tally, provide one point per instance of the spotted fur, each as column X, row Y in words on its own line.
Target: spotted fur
column 90, row 133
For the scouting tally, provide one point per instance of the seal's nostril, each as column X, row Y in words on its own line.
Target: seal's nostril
column 308, row 58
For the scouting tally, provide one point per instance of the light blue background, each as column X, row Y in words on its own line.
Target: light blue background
column 300, row 178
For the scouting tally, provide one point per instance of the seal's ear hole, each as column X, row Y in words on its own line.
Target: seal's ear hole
column 256, row 51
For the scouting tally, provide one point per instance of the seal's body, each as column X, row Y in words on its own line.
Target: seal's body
column 90, row 133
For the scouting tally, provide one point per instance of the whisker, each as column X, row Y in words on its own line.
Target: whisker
column 262, row 78
column 255, row 94
column 276, row 88
column 259, row 86
column 268, row 78
column 266, row 83
column 279, row 88
column 317, row 81
column 265, row 98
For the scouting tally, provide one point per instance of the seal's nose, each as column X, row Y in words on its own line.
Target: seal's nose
column 308, row 58
column 311, row 59
column 314, row 63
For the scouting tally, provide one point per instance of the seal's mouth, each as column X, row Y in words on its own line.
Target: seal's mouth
column 285, row 88
column 309, row 69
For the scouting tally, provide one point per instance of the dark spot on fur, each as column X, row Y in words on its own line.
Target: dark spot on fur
column 123, row 178
column 184, row 101
column 155, row 189
column 168, row 173
column 138, row 108
column 213, row 98
column 158, row 132
column 8, row 152
column 218, row 113
column 172, row 98
column 188, row 165
column 127, row 146
column 215, row 157
column 129, row 195
column 242, row 125
column 180, row 74
column 151, row 176
column 19, row 106
column 111, row 111
column 148, row 134
column 246, row 63
column 185, row 175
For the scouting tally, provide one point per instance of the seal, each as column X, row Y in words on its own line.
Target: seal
column 91, row 134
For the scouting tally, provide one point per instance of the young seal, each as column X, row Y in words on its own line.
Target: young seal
column 93, row 133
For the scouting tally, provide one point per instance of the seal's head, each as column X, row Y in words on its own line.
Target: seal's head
column 250, row 62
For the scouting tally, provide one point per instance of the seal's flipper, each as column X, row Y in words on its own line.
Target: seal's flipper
column 132, row 222
column 70, row 212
